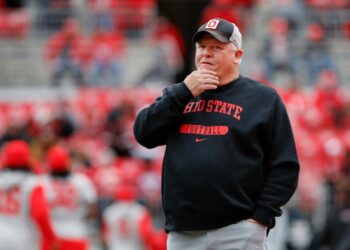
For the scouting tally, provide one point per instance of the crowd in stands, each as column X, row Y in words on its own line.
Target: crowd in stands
column 14, row 19
column 320, row 120
column 300, row 48
column 96, row 60
column 169, row 55
column 296, row 38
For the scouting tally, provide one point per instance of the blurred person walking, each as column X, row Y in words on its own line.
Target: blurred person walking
column 24, row 218
column 72, row 199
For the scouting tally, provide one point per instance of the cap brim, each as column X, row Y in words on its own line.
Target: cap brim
column 214, row 33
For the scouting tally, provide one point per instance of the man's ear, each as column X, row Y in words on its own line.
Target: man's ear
column 238, row 56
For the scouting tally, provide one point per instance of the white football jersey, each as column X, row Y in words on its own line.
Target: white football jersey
column 68, row 199
column 17, row 229
column 121, row 220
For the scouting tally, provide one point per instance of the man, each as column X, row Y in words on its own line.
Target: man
column 24, row 219
column 72, row 200
column 230, row 161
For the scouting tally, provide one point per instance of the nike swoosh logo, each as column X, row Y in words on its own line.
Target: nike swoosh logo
column 200, row 139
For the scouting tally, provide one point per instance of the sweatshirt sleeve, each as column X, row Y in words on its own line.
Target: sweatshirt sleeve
column 282, row 167
column 152, row 124
column 39, row 211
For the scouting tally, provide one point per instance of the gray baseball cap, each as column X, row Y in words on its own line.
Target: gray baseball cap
column 222, row 30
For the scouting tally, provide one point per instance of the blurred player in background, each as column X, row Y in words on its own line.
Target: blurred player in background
column 24, row 218
column 127, row 225
column 72, row 201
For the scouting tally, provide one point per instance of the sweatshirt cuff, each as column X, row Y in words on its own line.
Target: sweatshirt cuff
column 180, row 93
column 264, row 216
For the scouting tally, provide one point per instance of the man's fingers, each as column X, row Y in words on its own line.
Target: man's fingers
column 210, row 86
column 209, row 79
column 207, row 71
column 207, row 74
column 202, row 80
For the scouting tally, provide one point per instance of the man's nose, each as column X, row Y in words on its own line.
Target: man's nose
column 207, row 52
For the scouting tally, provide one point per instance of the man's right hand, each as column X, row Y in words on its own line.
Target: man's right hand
column 201, row 80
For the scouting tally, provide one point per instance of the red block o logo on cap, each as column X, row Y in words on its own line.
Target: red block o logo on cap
column 212, row 24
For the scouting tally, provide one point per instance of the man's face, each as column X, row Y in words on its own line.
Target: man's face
column 214, row 55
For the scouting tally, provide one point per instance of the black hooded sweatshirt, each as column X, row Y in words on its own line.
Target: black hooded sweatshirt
column 230, row 154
